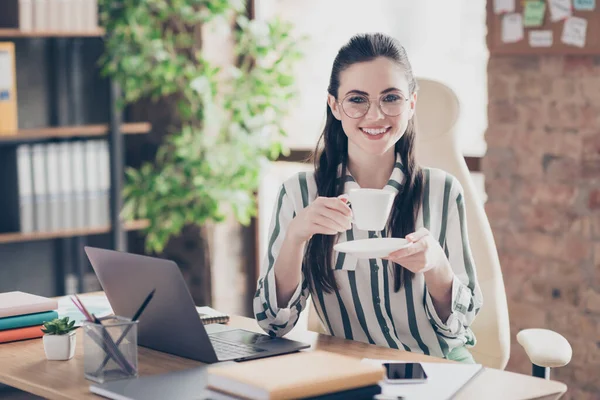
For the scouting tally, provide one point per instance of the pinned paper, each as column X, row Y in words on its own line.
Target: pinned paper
column 540, row 38
column 533, row 13
column 512, row 28
column 574, row 31
column 504, row 6
column 585, row 5
column 559, row 9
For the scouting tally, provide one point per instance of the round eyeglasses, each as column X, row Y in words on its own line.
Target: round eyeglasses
column 358, row 105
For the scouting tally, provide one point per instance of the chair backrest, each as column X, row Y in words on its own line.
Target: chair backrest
column 436, row 118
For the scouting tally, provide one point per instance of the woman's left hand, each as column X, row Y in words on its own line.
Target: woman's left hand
column 424, row 253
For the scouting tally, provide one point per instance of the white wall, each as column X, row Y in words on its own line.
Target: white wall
column 445, row 40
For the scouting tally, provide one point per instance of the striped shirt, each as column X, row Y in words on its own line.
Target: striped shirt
column 365, row 307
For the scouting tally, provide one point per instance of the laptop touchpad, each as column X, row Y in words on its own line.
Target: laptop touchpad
column 246, row 337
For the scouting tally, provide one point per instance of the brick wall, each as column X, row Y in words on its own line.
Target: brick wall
column 542, row 172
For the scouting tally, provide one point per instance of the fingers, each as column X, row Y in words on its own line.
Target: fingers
column 415, row 248
column 334, row 219
column 418, row 235
column 334, row 203
column 325, row 230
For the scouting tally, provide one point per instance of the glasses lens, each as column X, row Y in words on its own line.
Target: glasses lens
column 355, row 106
column 391, row 104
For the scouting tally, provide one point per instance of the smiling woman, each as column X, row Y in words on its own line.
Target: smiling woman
column 422, row 298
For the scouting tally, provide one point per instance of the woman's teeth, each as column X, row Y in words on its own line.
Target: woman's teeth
column 374, row 131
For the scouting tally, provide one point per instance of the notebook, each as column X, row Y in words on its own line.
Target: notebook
column 298, row 375
column 19, row 303
column 209, row 315
column 12, row 335
column 21, row 321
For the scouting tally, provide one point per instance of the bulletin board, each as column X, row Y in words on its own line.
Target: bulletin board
column 504, row 35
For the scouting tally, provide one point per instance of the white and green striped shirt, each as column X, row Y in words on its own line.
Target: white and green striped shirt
column 365, row 306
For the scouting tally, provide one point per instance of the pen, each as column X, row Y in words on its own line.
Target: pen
column 135, row 317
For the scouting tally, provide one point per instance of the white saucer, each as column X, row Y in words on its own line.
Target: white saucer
column 372, row 248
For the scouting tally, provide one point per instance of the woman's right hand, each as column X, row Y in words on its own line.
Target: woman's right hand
column 325, row 215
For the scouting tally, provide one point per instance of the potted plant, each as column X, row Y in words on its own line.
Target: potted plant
column 59, row 339
column 226, row 122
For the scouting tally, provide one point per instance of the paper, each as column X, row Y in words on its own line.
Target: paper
column 585, row 5
column 574, row 31
column 95, row 304
column 6, row 79
column 503, row 6
column 559, row 9
column 443, row 381
column 533, row 13
column 540, row 38
column 512, row 28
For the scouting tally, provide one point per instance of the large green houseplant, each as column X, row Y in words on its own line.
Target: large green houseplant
column 228, row 120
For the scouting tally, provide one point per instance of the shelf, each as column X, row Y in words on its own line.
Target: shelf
column 25, row 135
column 33, row 236
column 16, row 33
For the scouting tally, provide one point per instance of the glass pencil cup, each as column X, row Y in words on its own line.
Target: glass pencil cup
column 110, row 349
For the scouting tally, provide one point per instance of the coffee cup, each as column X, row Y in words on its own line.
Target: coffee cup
column 370, row 207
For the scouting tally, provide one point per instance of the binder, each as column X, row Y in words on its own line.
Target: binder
column 8, row 90
column 66, row 201
column 54, row 203
column 104, row 169
column 24, row 173
column 40, row 189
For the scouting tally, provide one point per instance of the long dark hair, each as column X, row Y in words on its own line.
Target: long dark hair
column 332, row 149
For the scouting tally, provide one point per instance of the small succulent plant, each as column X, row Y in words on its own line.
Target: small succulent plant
column 59, row 326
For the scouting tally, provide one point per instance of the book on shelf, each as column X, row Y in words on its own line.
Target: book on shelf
column 22, row 321
column 63, row 185
column 299, row 375
column 20, row 303
column 209, row 315
column 8, row 89
column 58, row 15
column 12, row 335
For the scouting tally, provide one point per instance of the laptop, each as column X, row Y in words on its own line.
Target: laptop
column 170, row 322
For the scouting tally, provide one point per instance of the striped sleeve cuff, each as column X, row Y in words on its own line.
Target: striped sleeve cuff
column 461, row 299
column 274, row 315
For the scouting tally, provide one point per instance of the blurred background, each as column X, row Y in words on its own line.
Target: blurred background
column 166, row 128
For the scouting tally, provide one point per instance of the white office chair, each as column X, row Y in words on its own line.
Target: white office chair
column 437, row 112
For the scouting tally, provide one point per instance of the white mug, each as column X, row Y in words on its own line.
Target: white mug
column 370, row 207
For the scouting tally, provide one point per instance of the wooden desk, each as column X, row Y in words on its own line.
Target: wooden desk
column 23, row 365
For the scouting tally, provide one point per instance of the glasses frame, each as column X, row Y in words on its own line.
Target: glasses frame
column 369, row 104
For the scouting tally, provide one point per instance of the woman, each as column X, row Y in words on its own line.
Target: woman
column 422, row 298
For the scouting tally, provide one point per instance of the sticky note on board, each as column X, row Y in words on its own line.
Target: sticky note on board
column 584, row 5
column 504, row 6
column 533, row 13
column 574, row 31
column 559, row 9
column 512, row 28
column 542, row 38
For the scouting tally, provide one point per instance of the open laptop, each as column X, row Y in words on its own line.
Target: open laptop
column 170, row 322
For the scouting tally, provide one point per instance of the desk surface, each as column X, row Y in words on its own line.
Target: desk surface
column 23, row 365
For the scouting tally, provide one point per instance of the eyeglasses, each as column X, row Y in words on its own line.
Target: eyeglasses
column 357, row 105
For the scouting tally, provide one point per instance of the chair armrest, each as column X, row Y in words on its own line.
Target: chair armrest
column 545, row 348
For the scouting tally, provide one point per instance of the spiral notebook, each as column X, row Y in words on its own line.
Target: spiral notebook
column 209, row 315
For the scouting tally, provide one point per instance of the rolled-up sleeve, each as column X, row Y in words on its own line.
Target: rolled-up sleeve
column 275, row 319
column 466, row 293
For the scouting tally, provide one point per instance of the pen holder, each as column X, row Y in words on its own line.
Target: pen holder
column 110, row 349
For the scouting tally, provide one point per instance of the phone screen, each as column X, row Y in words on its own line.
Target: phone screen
column 404, row 371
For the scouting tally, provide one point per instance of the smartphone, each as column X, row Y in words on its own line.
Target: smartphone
column 404, row 373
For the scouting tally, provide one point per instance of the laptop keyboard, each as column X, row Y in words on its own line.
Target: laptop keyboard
column 227, row 350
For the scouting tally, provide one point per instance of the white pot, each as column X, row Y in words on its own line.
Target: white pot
column 60, row 347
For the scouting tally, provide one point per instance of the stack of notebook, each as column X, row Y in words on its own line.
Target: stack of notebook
column 22, row 315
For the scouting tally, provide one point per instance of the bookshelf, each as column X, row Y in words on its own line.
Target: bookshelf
column 13, row 33
column 62, row 57
column 67, row 132
column 67, row 233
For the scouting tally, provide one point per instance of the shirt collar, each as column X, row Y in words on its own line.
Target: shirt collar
column 394, row 183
